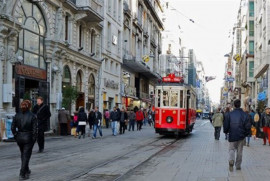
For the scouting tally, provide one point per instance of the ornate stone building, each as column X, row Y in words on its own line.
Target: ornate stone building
column 47, row 46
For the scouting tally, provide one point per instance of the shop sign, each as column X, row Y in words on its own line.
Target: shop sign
column 31, row 72
column 111, row 84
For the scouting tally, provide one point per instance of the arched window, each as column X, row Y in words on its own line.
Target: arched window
column 66, row 77
column 31, row 37
column 79, row 82
column 91, row 86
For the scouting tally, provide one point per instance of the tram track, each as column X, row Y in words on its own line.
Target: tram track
column 118, row 177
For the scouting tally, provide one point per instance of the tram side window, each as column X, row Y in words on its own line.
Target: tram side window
column 181, row 99
column 159, row 98
column 174, row 98
column 165, row 98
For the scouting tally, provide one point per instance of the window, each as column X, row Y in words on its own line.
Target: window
column 109, row 35
column 251, row 69
column 174, row 99
column 31, row 37
column 251, row 47
column 80, row 36
column 66, row 77
column 91, row 86
column 93, row 41
column 181, row 99
column 66, row 28
column 251, row 28
column 165, row 98
column 251, row 8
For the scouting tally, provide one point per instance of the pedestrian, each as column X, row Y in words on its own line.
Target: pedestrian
column 63, row 118
column 139, row 119
column 42, row 113
column 24, row 129
column 114, row 116
column 91, row 117
column 265, row 125
column 145, row 115
column 82, row 121
column 76, row 124
column 210, row 117
column 217, row 123
column 123, row 120
column 227, row 111
column 150, row 117
column 107, row 117
column 132, row 117
column 237, row 124
column 251, row 120
column 97, row 123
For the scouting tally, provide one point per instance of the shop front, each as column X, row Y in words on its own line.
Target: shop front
column 30, row 82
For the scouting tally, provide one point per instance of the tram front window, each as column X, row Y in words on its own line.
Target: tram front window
column 166, row 98
column 174, row 98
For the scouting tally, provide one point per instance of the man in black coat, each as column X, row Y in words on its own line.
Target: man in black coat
column 42, row 113
column 97, row 123
column 238, row 125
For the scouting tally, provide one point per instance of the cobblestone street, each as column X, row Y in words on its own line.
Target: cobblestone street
column 139, row 156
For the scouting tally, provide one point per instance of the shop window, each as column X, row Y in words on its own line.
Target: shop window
column 31, row 37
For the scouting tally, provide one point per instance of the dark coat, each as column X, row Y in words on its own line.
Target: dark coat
column 82, row 116
column 97, row 118
column 24, row 127
column 43, row 114
column 265, row 120
column 237, row 124
column 125, row 116
column 91, row 117
column 114, row 116
column 63, row 116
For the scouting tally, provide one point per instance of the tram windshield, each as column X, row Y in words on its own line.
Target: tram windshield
column 170, row 98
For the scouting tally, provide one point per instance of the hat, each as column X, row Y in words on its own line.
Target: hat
column 63, row 108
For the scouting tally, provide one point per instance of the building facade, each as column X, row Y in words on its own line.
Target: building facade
column 47, row 47
column 141, row 50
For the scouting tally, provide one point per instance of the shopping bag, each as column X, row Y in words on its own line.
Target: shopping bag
column 253, row 131
column 73, row 131
column 260, row 134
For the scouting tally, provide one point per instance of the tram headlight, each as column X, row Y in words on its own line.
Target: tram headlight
column 169, row 119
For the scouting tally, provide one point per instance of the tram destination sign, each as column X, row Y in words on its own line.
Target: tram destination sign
column 31, row 72
column 172, row 78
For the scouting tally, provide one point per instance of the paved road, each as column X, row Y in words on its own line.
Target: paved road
column 138, row 155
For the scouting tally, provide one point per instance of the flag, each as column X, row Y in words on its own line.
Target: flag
column 208, row 78
column 229, row 73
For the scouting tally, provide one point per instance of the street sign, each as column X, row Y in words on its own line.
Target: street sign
column 230, row 79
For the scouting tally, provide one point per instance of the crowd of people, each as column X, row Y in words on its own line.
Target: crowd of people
column 239, row 126
column 118, row 119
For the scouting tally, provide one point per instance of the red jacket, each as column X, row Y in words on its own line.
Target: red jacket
column 139, row 116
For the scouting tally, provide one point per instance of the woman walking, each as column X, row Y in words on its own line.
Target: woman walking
column 24, row 129
column 132, row 117
column 82, row 119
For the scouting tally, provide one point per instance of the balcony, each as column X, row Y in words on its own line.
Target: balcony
column 127, row 10
column 88, row 10
column 139, row 66
column 153, row 13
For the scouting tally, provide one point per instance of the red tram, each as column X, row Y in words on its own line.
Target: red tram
column 175, row 106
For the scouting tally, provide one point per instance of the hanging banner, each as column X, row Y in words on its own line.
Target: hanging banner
column 230, row 79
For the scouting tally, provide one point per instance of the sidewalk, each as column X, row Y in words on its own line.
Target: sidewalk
column 201, row 158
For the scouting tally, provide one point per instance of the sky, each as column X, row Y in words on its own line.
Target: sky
column 208, row 35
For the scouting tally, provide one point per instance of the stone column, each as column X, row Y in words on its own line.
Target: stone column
column 3, row 32
column 12, row 38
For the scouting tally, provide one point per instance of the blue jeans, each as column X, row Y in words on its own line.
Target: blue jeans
column 95, row 130
column 114, row 127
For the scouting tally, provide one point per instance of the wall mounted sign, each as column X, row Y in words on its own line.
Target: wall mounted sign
column 31, row 72
column 111, row 84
